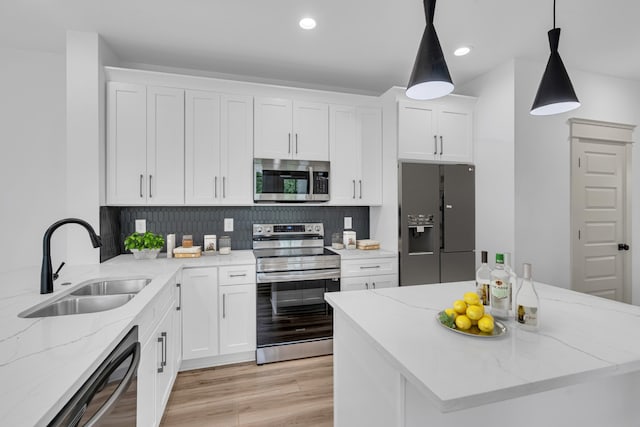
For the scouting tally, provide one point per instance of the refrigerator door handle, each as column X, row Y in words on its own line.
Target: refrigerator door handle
column 449, row 206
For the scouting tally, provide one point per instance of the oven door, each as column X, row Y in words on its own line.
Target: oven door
column 293, row 312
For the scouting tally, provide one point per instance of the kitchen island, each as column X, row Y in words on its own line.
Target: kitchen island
column 396, row 365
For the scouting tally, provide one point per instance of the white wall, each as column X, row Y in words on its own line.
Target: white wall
column 542, row 168
column 494, row 160
column 32, row 155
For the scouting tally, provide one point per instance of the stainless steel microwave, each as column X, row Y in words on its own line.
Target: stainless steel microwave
column 290, row 180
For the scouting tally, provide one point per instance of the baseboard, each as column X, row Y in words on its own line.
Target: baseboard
column 223, row 359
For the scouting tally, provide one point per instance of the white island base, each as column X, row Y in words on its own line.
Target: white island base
column 393, row 366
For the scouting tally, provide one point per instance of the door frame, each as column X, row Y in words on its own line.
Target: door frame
column 612, row 133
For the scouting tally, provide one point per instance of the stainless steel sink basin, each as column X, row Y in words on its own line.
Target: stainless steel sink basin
column 112, row 287
column 79, row 305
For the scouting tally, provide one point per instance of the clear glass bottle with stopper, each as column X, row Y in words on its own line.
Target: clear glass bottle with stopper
column 513, row 280
column 527, row 302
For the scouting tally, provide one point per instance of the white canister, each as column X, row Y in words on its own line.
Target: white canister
column 171, row 244
column 209, row 242
column 349, row 239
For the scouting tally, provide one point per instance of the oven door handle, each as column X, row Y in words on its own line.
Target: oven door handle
column 122, row 387
column 292, row 276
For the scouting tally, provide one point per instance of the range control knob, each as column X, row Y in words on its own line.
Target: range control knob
column 317, row 228
column 259, row 229
column 309, row 228
column 268, row 230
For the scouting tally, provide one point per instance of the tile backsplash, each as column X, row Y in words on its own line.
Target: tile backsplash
column 118, row 222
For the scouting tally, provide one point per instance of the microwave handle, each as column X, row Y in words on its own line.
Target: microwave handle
column 311, row 182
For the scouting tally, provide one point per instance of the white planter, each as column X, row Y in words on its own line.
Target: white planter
column 145, row 253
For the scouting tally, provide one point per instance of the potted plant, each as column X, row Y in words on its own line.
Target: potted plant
column 144, row 245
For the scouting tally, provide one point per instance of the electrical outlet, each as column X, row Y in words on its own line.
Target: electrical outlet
column 347, row 223
column 141, row 225
column 228, row 224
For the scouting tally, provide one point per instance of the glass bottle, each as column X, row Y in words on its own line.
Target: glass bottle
column 499, row 289
column 527, row 302
column 513, row 279
column 483, row 279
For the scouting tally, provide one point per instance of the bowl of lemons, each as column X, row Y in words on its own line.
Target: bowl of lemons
column 468, row 317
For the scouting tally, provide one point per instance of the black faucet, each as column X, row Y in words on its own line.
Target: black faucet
column 46, row 274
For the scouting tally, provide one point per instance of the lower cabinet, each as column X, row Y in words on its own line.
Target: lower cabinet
column 199, row 313
column 238, row 318
column 368, row 282
column 368, row 273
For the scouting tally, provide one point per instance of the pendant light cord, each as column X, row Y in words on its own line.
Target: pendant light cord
column 554, row 13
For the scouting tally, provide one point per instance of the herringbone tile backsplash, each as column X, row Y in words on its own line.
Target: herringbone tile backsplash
column 118, row 222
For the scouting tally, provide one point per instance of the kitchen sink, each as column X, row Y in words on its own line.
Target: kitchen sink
column 79, row 305
column 112, row 287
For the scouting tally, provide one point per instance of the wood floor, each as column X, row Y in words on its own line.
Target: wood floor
column 293, row 393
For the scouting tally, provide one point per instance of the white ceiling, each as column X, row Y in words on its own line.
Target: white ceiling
column 363, row 46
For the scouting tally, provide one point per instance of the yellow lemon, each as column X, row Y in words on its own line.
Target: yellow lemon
column 471, row 298
column 489, row 316
column 450, row 312
column 486, row 324
column 460, row 306
column 475, row 312
column 463, row 322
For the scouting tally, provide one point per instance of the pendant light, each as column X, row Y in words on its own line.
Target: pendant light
column 430, row 76
column 555, row 93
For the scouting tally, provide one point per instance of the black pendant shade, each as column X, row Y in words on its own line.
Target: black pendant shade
column 555, row 93
column 430, row 76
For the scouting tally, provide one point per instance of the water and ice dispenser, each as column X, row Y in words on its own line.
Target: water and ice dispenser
column 421, row 234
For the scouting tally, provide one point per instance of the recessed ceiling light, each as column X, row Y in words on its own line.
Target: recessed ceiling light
column 307, row 23
column 462, row 51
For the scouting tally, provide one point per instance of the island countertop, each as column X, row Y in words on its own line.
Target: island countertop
column 581, row 338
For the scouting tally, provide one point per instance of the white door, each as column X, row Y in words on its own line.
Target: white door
column 202, row 147
column 455, row 140
column 599, row 206
column 417, row 133
column 370, row 149
column 354, row 283
column 237, row 318
column 236, row 150
column 126, row 144
column 344, row 155
column 273, row 138
column 199, row 313
column 165, row 146
column 310, row 131
column 384, row 281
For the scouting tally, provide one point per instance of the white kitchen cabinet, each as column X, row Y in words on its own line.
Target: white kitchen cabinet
column 199, row 313
column 368, row 273
column 356, row 155
column 237, row 318
column 286, row 129
column 218, row 148
column 440, row 130
column 145, row 145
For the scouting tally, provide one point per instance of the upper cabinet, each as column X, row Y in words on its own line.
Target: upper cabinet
column 145, row 145
column 286, row 129
column 356, row 155
column 440, row 130
column 218, row 148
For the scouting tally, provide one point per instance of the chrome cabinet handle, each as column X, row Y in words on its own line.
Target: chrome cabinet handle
column 224, row 187
column 435, row 145
column 141, row 179
column 150, row 193
column 179, row 286
column 224, row 305
column 366, row 285
column 164, row 349
column 296, row 143
column 374, row 285
column 215, row 187
column 362, row 267
column 238, row 275
column 360, row 183
column 354, row 189
column 289, row 152
column 441, row 144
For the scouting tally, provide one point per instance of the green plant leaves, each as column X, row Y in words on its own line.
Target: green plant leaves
column 141, row 241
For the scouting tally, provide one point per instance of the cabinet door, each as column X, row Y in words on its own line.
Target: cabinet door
column 165, row 345
column 147, row 370
column 344, row 155
column 199, row 313
column 455, row 139
column 272, row 132
column 370, row 149
column 202, row 148
column 354, row 284
column 237, row 318
column 417, row 131
column 126, row 144
column 384, row 281
column 177, row 329
column 310, row 131
column 165, row 146
column 236, row 151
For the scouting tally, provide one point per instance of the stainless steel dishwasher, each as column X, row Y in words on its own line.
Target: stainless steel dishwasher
column 108, row 397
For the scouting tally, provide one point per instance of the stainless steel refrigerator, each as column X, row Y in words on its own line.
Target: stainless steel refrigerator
column 437, row 223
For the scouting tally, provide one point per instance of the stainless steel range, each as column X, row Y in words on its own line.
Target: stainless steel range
column 293, row 271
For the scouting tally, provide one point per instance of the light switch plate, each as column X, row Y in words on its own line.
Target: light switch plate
column 347, row 223
column 228, row 224
column 141, row 225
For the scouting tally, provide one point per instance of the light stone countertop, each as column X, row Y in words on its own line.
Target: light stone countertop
column 43, row 361
column 356, row 254
column 581, row 338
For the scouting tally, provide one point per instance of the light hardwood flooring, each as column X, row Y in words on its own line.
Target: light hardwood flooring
column 292, row 393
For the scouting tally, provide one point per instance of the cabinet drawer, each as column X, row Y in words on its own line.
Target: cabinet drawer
column 237, row 275
column 368, row 267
